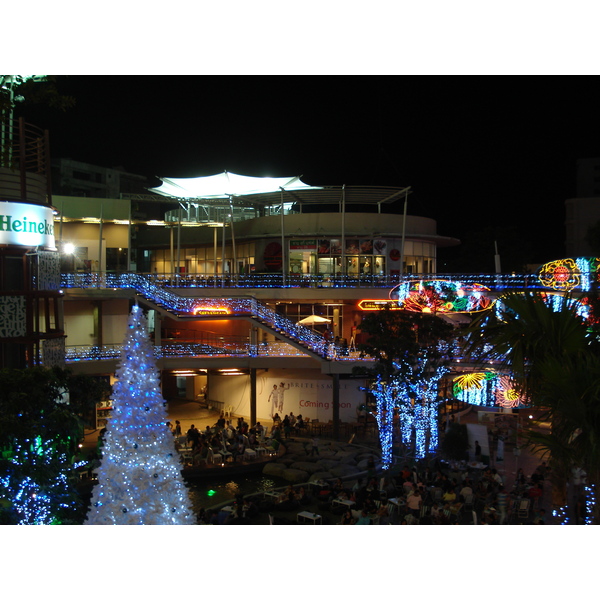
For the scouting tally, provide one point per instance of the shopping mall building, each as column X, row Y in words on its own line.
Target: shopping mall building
column 246, row 281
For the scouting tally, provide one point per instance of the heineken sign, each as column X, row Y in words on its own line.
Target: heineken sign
column 26, row 225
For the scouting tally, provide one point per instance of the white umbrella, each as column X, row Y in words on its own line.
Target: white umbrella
column 313, row 320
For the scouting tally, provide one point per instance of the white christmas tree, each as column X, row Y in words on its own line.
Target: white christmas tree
column 139, row 478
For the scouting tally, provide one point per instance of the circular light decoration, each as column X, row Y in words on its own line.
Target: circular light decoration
column 568, row 273
column 432, row 296
column 507, row 395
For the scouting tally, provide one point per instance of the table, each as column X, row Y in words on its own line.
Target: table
column 260, row 450
column 396, row 503
column 320, row 485
column 185, row 454
column 273, row 495
column 309, row 516
column 251, row 454
column 343, row 502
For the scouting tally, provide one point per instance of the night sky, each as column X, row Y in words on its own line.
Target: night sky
column 480, row 152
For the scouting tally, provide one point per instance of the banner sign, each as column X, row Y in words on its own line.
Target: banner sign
column 26, row 225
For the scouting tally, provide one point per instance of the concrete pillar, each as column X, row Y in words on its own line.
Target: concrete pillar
column 252, row 397
column 335, row 404
column 98, row 322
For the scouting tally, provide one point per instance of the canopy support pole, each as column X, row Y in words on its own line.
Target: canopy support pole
column 283, row 269
column 234, row 265
column 403, row 234
column 215, row 269
column 344, row 266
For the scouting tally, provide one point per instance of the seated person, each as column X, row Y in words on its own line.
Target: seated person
column 449, row 496
column 348, row 518
column 364, row 519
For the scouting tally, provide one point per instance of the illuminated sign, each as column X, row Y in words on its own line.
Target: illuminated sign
column 378, row 305
column 26, row 225
column 210, row 311
column 303, row 244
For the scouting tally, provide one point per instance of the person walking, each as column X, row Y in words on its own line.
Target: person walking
column 314, row 442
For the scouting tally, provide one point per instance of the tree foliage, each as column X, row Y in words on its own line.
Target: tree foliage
column 41, row 423
column 399, row 336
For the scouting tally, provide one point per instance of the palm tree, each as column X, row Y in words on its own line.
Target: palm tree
column 570, row 393
column 553, row 357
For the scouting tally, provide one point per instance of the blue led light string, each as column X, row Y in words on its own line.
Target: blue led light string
column 384, row 395
column 38, row 500
column 590, row 503
column 560, row 513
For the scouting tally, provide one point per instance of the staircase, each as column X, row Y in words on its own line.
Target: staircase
column 171, row 304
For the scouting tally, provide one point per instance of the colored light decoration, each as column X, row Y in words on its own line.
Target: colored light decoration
column 506, row 394
column 566, row 274
column 139, row 477
column 433, row 296
column 475, row 388
column 487, row 389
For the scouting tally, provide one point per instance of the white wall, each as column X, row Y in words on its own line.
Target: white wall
column 79, row 324
column 115, row 314
column 308, row 393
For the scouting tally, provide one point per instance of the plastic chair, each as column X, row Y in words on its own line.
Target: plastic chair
column 523, row 511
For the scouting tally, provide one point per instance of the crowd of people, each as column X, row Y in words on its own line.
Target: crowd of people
column 442, row 496
column 437, row 496
column 232, row 440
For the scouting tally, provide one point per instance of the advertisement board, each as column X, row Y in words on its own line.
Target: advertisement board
column 26, row 225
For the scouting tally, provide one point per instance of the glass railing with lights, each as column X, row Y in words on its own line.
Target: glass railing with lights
column 493, row 281
column 189, row 349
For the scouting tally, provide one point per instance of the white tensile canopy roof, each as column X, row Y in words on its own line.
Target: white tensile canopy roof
column 225, row 185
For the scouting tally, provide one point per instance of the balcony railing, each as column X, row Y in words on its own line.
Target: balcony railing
column 493, row 281
column 192, row 349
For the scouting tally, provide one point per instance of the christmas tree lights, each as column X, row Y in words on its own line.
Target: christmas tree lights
column 139, row 478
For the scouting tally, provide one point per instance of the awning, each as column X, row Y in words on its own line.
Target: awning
column 225, row 185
